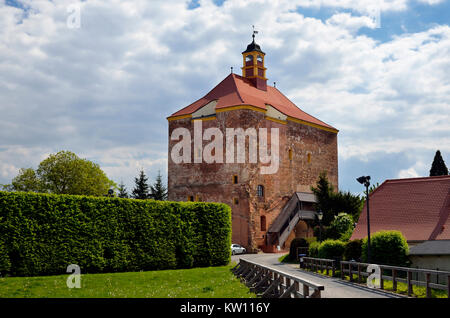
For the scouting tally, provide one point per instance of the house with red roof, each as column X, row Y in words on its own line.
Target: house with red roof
column 420, row 209
column 270, row 208
column 417, row 207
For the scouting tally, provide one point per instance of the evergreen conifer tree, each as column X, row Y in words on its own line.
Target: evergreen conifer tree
column 141, row 188
column 438, row 167
column 324, row 193
column 123, row 193
column 158, row 191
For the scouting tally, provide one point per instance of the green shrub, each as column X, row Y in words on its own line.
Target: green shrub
column 388, row 248
column 44, row 233
column 296, row 242
column 341, row 228
column 321, row 233
column 310, row 240
column 331, row 249
column 314, row 249
column 353, row 250
column 5, row 264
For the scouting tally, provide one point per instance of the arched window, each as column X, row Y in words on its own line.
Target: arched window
column 259, row 58
column 263, row 223
column 260, row 191
column 249, row 58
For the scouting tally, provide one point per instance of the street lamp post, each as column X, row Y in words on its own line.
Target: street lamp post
column 365, row 180
column 320, row 216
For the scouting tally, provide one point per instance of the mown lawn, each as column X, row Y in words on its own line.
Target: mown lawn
column 211, row 282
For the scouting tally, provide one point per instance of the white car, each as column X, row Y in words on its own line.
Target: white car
column 237, row 249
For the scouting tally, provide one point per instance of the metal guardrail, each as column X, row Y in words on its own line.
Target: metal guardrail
column 269, row 282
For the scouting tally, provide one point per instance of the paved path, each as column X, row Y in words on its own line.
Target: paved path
column 334, row 287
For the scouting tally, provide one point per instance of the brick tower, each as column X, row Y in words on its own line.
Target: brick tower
column 271, row 200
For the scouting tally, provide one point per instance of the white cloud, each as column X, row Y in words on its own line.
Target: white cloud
column 104, row 90
column 408, row 173
column 412, row 172
column 431, row 2
column 351, row 23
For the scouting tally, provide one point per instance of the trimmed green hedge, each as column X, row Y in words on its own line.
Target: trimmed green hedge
column 41, row 234
column 388, row 248
column 353, row 250
column 331, row 249
column 314, row 249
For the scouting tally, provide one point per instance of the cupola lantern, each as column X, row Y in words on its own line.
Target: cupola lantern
column 253, row 61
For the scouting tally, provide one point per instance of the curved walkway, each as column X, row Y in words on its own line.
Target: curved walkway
column 334, row 287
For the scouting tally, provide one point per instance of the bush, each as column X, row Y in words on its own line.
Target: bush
column 321, row 233
column 353, row 250
column 44, row 233
column 5, row 264
column 331, row 249
column 388, row 248
column 314, row 249
column 310, row 240
column 296, row 242
column 341, row 228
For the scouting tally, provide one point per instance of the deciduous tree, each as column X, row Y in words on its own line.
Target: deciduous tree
column 26, row 181
column 66, row 173
column 63, row 173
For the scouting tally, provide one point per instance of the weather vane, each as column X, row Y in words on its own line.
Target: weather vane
column 254, row 32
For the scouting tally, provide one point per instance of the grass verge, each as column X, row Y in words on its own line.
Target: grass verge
column 402, row 288
column 286, row 259
column 211, row 282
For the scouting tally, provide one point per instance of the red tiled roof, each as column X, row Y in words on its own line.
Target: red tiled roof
column 417, row 207
column 236, row 90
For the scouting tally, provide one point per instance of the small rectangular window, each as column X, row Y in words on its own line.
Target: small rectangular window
column 235, row 179
column 260, row 191
column 236, row 201
column 263, row 223
column 191, row 198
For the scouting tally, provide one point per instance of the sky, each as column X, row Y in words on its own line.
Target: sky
column 101, row 83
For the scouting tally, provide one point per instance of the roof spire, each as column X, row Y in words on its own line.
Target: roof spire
column 254, row 32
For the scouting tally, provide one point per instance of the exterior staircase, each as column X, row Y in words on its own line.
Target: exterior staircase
column 299, row 207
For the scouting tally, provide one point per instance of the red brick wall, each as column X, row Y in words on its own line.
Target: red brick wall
column 214, row 182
